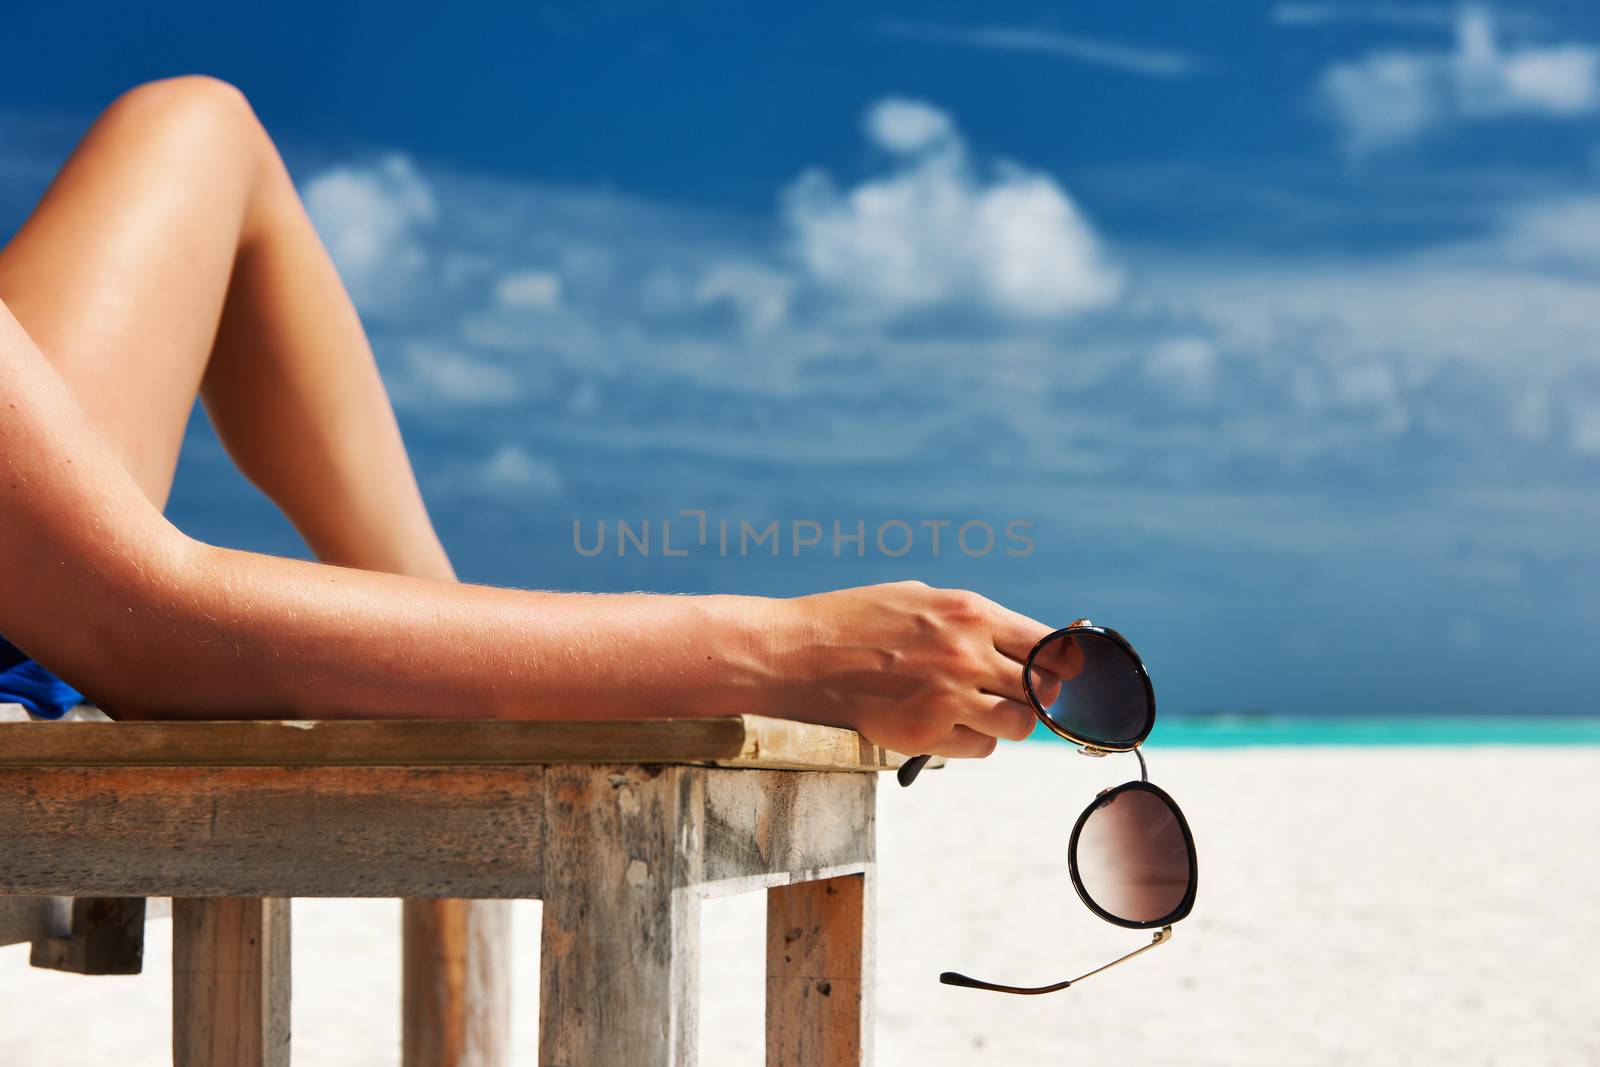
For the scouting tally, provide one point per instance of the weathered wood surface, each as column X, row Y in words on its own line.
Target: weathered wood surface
column 631, row 852
column 620, row 956
column 230, row 983
column 456, row 987
column 106, row 937
column 473, row 832
column 261, row 831
column 819, row 972
column 771, row 828
column 730, row 741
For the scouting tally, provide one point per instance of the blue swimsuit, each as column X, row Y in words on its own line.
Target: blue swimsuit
column 22, row 681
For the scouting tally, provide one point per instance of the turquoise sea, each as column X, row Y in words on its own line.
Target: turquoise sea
column 1235, row 731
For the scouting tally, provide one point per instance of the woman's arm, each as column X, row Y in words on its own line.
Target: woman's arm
column 102, row 589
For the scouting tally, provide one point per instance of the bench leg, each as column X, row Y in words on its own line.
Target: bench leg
column 819, row 972
column 230, row 982
column 107, row 937
column 456, row 1009
column 620, row 958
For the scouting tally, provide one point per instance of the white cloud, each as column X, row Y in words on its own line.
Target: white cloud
column 1351, row 385
column 1131, row 59
column 370, row 219
column 435, row 374
column 1530, row 415
column 688, row 328
column 1430, row 309
column 1562, row 234
column 908, row 126
column 756, row 296
column 759, row 295
column 538, row 290
column 513, row 471
column 1468, row 351
column 1390, row 97
column 1428, row 15
column 1386, row 98
column 1454, row 357
column 1186, row 366
column 1558, row 80
column 1585, row 432
column 936, row 232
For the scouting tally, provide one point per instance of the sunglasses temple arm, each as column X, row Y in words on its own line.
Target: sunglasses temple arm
column 1161, row 937
column 910, row 769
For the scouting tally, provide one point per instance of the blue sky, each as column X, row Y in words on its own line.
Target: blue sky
column 1276, row 322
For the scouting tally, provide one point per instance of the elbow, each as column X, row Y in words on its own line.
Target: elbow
column 129, row 658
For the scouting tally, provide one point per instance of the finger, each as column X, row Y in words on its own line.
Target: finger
column 965, row 743
column 1046, row 686
column 1009, row 720
column 1062, row 657
column 1003, row 678
column 1014, row 633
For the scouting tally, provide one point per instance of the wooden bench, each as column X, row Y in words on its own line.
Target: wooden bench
column 620, row 828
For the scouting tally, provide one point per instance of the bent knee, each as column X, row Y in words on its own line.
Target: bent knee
column 187, row 98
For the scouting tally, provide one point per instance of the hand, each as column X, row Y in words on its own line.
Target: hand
column 915, row 669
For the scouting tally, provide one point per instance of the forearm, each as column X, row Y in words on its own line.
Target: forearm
column 233, row 634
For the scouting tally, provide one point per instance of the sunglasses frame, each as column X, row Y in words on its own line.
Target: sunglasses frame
column 1162, row 926
column 1185, row 906
column 1084, row 626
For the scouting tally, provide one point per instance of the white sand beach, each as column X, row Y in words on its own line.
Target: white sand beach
column 1357, row 905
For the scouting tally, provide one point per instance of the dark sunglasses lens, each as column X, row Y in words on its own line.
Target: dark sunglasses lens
column 1133, row 858
column 1090, row 686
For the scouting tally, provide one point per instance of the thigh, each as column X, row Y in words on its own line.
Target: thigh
column 121, row 272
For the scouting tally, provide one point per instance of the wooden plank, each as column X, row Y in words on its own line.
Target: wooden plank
column 766, row 828
column 429, row 832
column 739, row 740
column 456, row 989
column 230, row 983
column 784, row 743
column 261, row 831
column 107, row 937
column 819, row 973
column 619, row 962
column 32, row 918
column 416, row 743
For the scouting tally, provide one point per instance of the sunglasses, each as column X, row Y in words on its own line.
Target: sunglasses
column 1131, row 855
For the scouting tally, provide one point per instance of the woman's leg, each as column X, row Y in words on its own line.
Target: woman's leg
column 172, row 255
